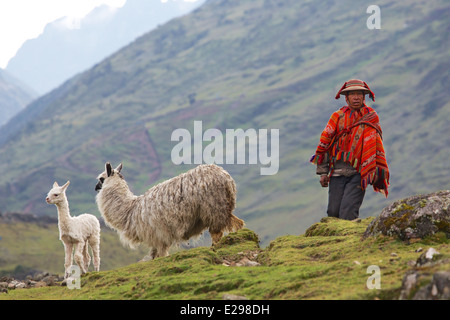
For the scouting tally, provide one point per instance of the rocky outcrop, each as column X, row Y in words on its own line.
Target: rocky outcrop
column 423, row 282
column 418, row 217
column 38, row 280
column 414, row 217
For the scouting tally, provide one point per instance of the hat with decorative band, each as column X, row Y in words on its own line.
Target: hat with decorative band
column 356, row 85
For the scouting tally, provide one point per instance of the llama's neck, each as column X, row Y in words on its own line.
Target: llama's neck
column 116, row 203
column 63, row 212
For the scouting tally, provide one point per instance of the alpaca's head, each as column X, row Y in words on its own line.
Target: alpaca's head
column 57, row 194
column 108, row 174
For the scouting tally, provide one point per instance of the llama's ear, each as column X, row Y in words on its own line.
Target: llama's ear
column 108, row 169
column 55, row 184
column 64, row 187
column 119, row 168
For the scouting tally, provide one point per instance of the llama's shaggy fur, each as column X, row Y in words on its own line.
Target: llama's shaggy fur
column 77, row 233
column 170, row 212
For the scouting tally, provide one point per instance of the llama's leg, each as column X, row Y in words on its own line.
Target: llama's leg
column 86, row 256
column 68, row 247
column 151, row 255
column 162, row 251
column 95, row 246
column 216, row 236
column 165, row 252
column 79, row 256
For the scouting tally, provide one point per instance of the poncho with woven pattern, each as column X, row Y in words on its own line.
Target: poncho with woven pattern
column 356, row 137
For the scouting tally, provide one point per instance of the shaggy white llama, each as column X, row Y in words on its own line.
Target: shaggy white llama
column 170, row 212
column 78, row 232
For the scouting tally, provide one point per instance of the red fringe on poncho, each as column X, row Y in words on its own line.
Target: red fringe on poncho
column 356, row 137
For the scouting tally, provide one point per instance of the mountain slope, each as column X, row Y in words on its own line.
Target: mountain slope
column 14, row 96
column 254, row 64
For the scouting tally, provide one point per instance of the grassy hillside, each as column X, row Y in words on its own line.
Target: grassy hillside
column 31, row 247
column 329, row 261
column 262, row 64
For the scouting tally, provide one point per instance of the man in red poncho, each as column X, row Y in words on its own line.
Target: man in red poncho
column 350, row 154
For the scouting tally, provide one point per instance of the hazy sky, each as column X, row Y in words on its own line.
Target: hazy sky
column 21, row 20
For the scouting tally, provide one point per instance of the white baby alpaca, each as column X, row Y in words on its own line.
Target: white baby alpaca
column 75, row 232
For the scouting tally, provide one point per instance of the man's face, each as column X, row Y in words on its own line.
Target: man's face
column 355, row 99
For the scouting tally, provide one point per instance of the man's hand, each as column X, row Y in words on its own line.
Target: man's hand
column 378, row 182
column 324, row 180
column 375, row 178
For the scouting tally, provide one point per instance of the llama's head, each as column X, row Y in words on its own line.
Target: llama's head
column 108, row 173
column 57, row 193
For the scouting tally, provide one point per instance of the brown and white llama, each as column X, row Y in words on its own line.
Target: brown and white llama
column 171, row 212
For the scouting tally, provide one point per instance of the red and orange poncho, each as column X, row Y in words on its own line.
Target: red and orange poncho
column 356, row 137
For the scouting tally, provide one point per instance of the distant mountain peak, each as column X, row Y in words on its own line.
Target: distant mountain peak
column 71, row 45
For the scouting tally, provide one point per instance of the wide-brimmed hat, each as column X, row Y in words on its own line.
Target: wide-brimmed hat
column 356, row 85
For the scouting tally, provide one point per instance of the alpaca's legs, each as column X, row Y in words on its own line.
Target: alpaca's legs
column 79, row 256
column 94, row 242
column 68, row 258
column 86, row 256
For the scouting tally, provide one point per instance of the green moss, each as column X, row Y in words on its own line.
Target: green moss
column 422, row 203
column 403, row 207
column 443, row 226
column 244, row 236
column 400, row 217
column 334, row 227
column 438, row 237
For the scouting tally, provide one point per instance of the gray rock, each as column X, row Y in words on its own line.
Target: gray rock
column 414, row 217
column 423, row 282
column 437, row 289
column 427, row 257
column 408, row 284
column 50, row 280
column 39, row 280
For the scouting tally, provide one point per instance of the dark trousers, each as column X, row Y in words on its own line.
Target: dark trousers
column 345, row 197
